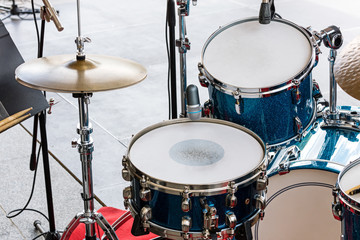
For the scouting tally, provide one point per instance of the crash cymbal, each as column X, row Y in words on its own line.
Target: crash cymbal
column 63, row 73
column 347, row 68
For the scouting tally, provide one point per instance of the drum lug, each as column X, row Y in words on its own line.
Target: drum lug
column 145, row 192
column 239, row 108
column 208, row 109
column 262, row 182
column 298, row 125
column 127, row 194
column 125, row 172
column 260, row 201
column 296, row 95
column 185, row 227
column 231, row 223
column 231, row 199
column 202, row 79
column 145, row 216
column 336, row 206
column 316, row 91
column 186, row 201
column 211, row 219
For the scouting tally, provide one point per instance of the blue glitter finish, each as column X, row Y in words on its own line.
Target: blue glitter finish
column 350, row 225
column 167, row 212
column 272, row 118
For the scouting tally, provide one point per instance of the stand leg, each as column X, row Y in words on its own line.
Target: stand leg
column 52, row 232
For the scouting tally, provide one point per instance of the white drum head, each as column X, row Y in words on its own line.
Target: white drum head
column 253, row 55
column 196, row 153
column 349, row 180
column 300, row 213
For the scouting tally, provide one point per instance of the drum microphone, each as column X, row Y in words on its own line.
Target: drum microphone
column 265, row 13
column 193, row 102
column 51, row 14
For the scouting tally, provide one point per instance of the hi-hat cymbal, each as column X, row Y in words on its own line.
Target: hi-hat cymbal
column 63, row 73
column 347, row 68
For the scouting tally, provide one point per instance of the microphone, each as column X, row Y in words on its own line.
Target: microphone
column 193, row 103
column 50, row 14
column 265, row 13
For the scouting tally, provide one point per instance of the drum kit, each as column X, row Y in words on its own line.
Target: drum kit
column 287, row 148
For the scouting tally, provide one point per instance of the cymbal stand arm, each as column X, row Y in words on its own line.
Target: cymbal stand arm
column 184, row 45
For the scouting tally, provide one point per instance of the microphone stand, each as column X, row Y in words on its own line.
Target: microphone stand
column 171, row 22
column 41, row 118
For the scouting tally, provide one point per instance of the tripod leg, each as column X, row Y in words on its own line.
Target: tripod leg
column 105, row 226
column 71, row 227
column 47, row 177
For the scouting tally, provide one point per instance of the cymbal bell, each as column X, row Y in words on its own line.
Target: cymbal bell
column 347, row 68
column 64, row 73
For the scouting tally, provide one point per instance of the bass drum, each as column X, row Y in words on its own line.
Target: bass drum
column 301, row 179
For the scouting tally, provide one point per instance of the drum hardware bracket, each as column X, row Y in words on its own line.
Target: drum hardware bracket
column 186, row 201
column 145, row 192
column 211, row 219
column 296, row 94
column 336, row 206
column 262, row 182
column 127, row 194
column 208, row 108
column 141, row 225
column 260, row 201
column 316, row 90
column 342, row 119
column 243, row 232
column 291, row 153
column 231, row 199
column 202, row 79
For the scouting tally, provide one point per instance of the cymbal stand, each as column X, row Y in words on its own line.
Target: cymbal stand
column 85, row 147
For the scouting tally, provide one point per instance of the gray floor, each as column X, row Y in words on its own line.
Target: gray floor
column 132, row 30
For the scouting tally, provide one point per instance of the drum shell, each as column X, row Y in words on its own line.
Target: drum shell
column 167, row 212
column 261, row 115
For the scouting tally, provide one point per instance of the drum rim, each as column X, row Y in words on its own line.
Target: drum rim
column 263, row 91
column 346, row 200
column 196, row 189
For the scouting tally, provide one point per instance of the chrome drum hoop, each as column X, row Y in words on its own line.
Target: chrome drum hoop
column 196, row 189
column 266, row 91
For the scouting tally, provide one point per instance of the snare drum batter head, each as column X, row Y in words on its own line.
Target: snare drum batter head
column 202, row 152
column 248, row 54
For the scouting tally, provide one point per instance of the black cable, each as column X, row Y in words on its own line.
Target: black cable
column 31, row 194
column 36, row 25
column 169, row 69
column 40, row 235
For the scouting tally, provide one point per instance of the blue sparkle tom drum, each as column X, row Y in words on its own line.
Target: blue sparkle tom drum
column 259, row 76
column 193, row 179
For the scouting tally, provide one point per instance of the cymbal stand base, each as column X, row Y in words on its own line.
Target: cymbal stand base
column 96, row 217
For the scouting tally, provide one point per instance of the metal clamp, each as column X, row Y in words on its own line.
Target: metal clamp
column 336, row 206
column 262, row 181
column 145, row 192
column 231, row 199
column 211, row 219
column 292, row 153
column 260, row 201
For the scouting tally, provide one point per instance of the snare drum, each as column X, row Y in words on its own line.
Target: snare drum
column 349, row 203
column 195, row 178
column 259, row 76
column 301, row 178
